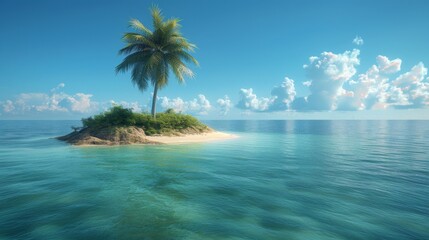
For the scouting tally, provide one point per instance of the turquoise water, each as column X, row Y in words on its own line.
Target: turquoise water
column 279, row 180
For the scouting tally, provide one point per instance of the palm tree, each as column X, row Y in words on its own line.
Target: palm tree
column 152, row 55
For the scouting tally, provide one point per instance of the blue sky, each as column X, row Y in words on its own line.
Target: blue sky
column 57, row 59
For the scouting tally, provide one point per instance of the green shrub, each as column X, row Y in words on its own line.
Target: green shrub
column 116, row 116
column 165, row 123
column 170, row 111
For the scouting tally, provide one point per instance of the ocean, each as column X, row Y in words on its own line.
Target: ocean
column 278, row 180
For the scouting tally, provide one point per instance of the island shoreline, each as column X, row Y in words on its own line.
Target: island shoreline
column 82, row 139
column 192, row 138
column 121, row 126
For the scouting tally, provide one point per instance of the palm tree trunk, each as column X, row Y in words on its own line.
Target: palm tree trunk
column 155, row 93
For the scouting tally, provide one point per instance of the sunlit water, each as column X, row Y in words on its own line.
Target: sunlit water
column 279, row 180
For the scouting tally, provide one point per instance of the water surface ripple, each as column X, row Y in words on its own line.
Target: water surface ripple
column 279, row 180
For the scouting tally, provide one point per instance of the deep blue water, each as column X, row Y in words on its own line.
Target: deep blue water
column 278, row 180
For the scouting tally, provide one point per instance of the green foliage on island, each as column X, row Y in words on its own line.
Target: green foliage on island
column 166, row 123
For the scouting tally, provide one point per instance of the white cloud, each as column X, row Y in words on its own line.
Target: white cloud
column 327, row 74
column 307, row 83
column 177, row 104
column 386, row 66
column 397, row 97
column 413, row 78
column 52, row 102
column 413, row 86
column 56, row 103
column 249, row 101
column 29, row 101
column 224, row 104
column 200, row 105
column 332, row 87
column 281, row 98
column 8, row 106
column 283, row 95
column 80, row 102
column 371, row 90
column 58, row 87
column 358, row 40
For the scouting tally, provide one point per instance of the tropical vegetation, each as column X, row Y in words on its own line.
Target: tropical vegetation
column 166, row 123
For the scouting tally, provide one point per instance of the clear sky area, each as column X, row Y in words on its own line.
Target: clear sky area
column 271, row 59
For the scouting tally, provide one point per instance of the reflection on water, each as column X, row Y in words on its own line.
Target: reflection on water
column 279, row 180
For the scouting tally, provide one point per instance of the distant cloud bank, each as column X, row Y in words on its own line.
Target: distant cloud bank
column 332, row 81
column 334, row 84
column 63, row 105
column 57, row 104
column 199, row 106
column 224, row 105
column 281, row 98
column 54, row 101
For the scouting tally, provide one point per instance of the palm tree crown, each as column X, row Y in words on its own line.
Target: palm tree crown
column 152, row 55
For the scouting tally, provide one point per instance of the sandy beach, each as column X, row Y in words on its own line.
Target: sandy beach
column 192, row 138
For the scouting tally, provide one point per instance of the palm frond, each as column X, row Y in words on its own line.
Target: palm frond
column 133, row 48
column 187, row 57
column 186, row 71
column 175, row 65
column 171, row 27
column 166, row 32
column 130, row 60
column 160, row 75
column 137, row 25
column 138, row 38
column 139, row 77
column 154, row 60
column 179, row 44
column 157, row 17
column 179, row 68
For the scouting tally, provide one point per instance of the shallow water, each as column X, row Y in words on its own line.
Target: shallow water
column 279, row 180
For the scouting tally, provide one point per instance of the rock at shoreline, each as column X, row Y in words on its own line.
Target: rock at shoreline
column 106, row 136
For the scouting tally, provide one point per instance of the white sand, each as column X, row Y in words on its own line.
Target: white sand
column 192, row 138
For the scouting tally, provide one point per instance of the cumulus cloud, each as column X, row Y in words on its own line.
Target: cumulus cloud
column 200, row 105
column 368, row 91
column 376, row 90
column 80, row 102
column 413, row 87
column 60, row 104
column 386, row 66
column 8, row 106
column 55, row 101
column 335, row 85
column 249, row 101
column 358, row 40
column 224, row 104
column 283, row 95
column 327, row 73
column 281, row 98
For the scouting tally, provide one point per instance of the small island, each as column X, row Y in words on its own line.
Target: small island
column 151, row 55
column 120, row 126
